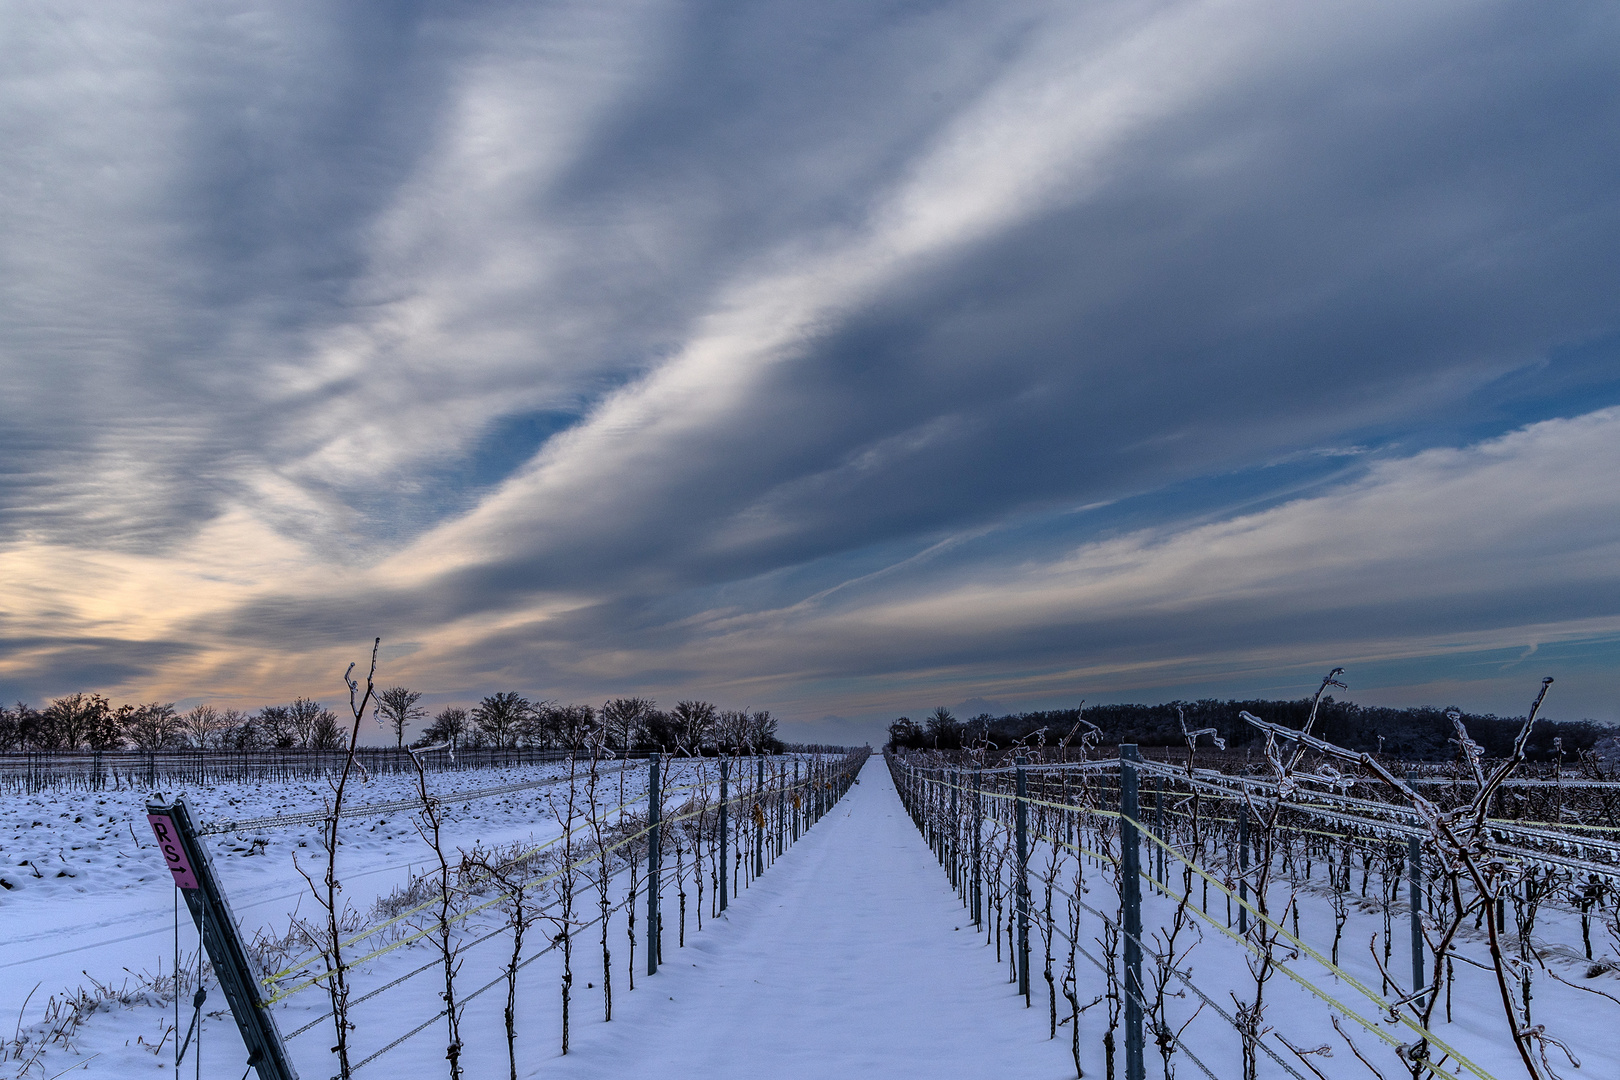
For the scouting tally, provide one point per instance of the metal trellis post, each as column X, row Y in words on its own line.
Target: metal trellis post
column 978, row 848
column 759, row 823
column 654, row 806
column 1158, row 830
column 1414, row 863
column 193, row 873
column 1243, row 867
column 1023, row 883
column 1131, row 885
column 725, row 773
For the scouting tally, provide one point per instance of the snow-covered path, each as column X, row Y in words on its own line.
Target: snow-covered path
column 850, row 957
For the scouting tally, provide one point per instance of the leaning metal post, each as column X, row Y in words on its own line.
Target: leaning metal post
column 1131, row 883
column 194, row 875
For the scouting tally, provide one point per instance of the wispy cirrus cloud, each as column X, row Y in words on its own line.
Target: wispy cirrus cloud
column 585, row 343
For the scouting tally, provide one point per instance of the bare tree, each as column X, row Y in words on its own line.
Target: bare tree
column 227, row 726
column 76, row 721
column 762, row 732
column 397, row 706
column 303, row 716
column 239, row 732
column 325, row 732
column 449, row 727
column 624, row 719
column 200, row 724
column 731, row 731
column 694, row 726
column 275, row 722
column 500, row 717
column 12, row 736
column 151, row 726
column 572, row 727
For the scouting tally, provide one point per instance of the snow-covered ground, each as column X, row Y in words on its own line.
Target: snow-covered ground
column 87, row 897
column 851, row 956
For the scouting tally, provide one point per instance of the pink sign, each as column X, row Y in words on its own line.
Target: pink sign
column 173, row 853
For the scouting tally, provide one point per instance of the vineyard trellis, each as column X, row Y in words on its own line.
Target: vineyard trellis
column 641, row 852
column 152, row 770
column 96, row 770
column 1236, row 856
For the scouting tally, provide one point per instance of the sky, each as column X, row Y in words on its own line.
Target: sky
column 842, row 359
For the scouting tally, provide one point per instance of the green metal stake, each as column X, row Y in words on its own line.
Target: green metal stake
column 978, row 848
column 1130, row 846
column 654, row 858
column 1022, row 897
column 1158, row 830
column 725, row 772
column 956, row 832
column 1243, row 867
column 1414, row 864
column 759, row 823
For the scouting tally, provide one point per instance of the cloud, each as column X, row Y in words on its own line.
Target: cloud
column 1446, row 552
column 772, row 349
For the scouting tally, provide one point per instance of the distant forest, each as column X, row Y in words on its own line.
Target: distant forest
column 1418, row 734
column 505, row 720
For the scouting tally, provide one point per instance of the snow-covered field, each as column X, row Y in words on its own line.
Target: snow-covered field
column 1209, row 976
column 87, row 897
column 851, row 956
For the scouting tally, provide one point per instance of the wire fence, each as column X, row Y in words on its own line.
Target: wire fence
column 113, row 770
column 650, row 866
column 1062, row 850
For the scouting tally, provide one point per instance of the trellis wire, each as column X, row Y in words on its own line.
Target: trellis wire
column 928, row 810
column 821, row 787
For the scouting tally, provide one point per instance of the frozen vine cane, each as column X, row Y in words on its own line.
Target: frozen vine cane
column 599, row 840
column 337, row 984
column 509, row 875
column 1461, row 839
column 430, row 828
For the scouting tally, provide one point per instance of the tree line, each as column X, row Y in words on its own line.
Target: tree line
column 693, row 728
column 1423, row 733
column 505, row 720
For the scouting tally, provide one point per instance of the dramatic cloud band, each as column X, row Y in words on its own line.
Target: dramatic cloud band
column 842, row 359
